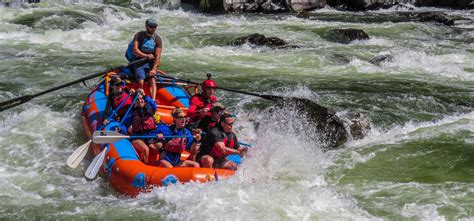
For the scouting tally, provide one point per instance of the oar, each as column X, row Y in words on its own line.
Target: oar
column 93, row 169
column 78, row 155
column 94, row 166
column 23, row 99
column 103, row 137
column 321, row 117
column 264, row 96
column 245, row 144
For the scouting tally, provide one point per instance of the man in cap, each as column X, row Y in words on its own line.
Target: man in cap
column 119, row 97
column 147, row 44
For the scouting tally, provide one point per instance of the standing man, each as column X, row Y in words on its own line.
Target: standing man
column 147, row 44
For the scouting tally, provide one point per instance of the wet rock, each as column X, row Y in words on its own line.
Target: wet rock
column 335, row 130
column 123, row 3
column 439, row 17
column 251, row 6
column 381, row 58
column 362, row 5
column 357, row 125
column 260, row 40
column 304, row 5
column 330, row 129
column 271, row 6
column 340, row 59
column 211, row 6
column 302, row 14
column 58, row 19
column 460, row 4
column 347, row 35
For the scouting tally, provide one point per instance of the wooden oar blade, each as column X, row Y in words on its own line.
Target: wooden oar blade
column 93, row 169
column 78, row 155
column 103, row 137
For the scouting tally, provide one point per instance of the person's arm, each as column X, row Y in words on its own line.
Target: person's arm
column 158, row 49
column 225, row 150
column 150, row 105
column 193, row 107
column 136, row 51
column 242, row 150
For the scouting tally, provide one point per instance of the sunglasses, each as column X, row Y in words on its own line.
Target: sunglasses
column 152, row 26
column 117, row 84
column 180, row 117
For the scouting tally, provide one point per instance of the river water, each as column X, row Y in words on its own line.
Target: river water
column 416, row 163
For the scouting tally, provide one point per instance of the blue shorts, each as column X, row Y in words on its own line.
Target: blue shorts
column 173, row 158
column 142, row 70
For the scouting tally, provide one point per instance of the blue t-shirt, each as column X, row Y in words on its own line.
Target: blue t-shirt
column 174, row 158
column 172, row 131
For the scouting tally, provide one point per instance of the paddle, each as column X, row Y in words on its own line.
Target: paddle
column 93, row 169
column 78, row 155
column 94, row 166
column 23, row 99
column 102, row 137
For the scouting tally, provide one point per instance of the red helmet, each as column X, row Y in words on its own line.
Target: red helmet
column 208, row 83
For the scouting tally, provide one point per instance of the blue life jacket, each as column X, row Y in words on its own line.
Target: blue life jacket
column 147, row 45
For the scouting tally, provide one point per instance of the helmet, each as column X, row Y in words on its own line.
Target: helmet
column 208, row 83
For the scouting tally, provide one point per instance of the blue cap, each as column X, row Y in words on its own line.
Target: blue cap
column 151, row 21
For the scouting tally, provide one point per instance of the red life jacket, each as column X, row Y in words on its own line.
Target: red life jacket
column 176, row 145
column 118, row 99
column 228, row 142
column 198, row 102
column 211, row 125
column 142, row 122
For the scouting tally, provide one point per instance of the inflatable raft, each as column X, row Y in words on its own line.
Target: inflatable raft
column 122, row 167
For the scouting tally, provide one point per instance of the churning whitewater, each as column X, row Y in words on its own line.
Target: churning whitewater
column 416, row 161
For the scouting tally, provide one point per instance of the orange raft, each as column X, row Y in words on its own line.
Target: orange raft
column 122, row 167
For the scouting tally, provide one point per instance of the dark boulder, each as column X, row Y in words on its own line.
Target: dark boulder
column 347, row 35
column 381, row 58
column 260, row 40
column 333, row 131
column 460, row 4
column 305, row 5
column 210, row 6
column 438, row 17
column 273, row 6
column 362, row 5
column 340, row 59
column 252, row 6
